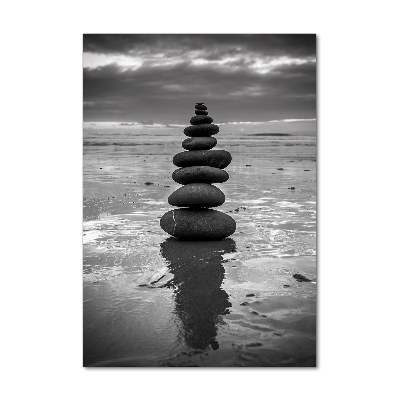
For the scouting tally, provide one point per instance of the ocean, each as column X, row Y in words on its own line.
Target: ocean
column 150, row 300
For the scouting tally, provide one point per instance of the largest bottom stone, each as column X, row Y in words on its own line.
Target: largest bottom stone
column 191, row 224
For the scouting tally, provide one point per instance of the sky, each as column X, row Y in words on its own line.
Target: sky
column 159, row 78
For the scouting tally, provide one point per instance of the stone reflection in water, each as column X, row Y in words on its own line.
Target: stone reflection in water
column 200, row 302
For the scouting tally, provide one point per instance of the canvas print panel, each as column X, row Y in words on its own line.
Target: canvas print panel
column 199, row 200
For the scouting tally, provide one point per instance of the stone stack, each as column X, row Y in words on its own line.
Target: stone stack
column 199, row 168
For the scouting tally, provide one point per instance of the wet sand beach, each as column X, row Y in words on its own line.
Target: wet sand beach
column 152, row 300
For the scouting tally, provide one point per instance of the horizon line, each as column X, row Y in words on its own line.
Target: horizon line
column 172, row 125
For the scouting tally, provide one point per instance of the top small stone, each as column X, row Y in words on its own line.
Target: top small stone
column 200, row 103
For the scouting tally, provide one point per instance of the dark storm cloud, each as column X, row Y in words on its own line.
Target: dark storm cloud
column 159, row 93
column 302, row 45
column 240, row 77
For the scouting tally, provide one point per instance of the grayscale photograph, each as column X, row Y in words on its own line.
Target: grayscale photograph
column 199, row 200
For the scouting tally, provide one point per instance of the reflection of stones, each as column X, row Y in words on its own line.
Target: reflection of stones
column 203, row 174
column 198, row 224
column 200, row 302
column 197, row 195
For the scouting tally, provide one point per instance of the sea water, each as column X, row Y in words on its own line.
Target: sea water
column 151, row 300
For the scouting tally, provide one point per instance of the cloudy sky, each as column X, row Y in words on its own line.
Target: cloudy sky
column 159, row 78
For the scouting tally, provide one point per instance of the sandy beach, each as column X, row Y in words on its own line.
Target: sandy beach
column 150, row 300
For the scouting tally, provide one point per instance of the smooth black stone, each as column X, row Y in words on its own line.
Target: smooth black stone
column 201, row 130
column 212, row 158
column 301, row 278
column 202, row 174
column 200, row 106
column 201, row 119
column 201, row 112
column 199, row 143
column 191, row 224
column 197, row 195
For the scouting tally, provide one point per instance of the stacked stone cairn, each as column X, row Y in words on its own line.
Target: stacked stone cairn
column 199, row 168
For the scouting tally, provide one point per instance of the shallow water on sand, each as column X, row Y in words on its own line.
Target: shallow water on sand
column 151, row 300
